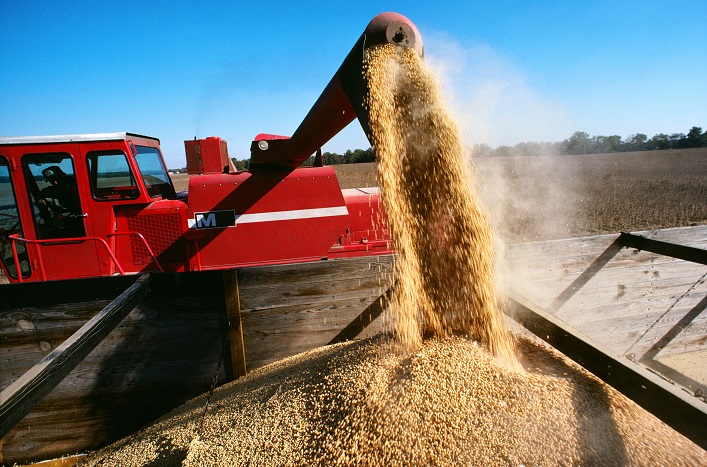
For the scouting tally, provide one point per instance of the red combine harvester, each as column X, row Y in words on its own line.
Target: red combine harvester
column 99, row 205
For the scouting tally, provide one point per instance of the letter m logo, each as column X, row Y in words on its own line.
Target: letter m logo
column 205, row 221
column 214, row 219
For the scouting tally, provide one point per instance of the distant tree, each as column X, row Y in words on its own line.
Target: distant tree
column 241, row 164
column 578, row 143
column 660, row 141
column 504, row 151
column 636, row 142
column 522, row 149
column 332, row 158
column 603, row 144
column 677, row 140
column 482, row 150
column 695, row 138
column 360, row 155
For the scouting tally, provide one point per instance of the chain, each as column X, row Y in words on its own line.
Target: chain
column 214, row 380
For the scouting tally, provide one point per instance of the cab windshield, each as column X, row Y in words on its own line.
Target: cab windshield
column 154, row 172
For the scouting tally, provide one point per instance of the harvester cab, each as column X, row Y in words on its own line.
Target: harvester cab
column 61, row 196
column 97, row 205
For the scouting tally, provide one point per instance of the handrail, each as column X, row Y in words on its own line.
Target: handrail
column 144, row 241
column 16, row 237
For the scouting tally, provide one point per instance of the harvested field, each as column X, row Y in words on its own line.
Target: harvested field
column 449, row 403
column 551, row 197
column 542, row 198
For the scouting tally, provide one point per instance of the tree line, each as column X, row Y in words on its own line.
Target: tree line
column 579, row 143
column 582, row 143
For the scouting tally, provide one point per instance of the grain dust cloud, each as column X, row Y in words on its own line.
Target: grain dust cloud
column 451, row 398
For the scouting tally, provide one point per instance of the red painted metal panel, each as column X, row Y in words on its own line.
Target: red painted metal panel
column 279, row 217
column 163, row 225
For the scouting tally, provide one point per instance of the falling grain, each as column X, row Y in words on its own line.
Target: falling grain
column 444, row 266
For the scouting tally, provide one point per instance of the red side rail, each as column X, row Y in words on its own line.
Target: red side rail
column 144, row 241
column 42, row 273
column 16, row 238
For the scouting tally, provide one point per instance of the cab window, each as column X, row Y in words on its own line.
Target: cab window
column 10, row 224
column 51, row 183
column 154, row 172
column 111, row 176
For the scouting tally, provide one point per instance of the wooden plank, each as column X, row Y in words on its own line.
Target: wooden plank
column 674, row 407
column 289, row 309
column 628, row 304
column 272, row 335
column 581, row 251
column 667, row 337
column 51, row 293
column 235, row 328
column 18, row 399
column 695, row 236
column 627, row 335
column 308, row 283
column 161, row 355
column 31, row 333
column 361, row 322
column 586, row 275
column 68, row 461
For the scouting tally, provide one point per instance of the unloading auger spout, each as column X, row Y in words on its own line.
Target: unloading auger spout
column 340, row 102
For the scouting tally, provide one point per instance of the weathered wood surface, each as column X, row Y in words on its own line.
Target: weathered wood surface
column 235, row 323
column 163, row 353
column 20, row 397
column 166, row 350
column 679, row 410
column 627, row 300
column 294, row 308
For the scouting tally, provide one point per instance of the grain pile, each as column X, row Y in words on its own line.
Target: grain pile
column 449, row 403
column 447, row 400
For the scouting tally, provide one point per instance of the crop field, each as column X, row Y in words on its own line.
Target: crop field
column 542, row 198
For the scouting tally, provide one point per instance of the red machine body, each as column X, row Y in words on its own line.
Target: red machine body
column 97, row 205
column 131, row 219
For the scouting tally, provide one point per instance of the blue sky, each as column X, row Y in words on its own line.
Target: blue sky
column 511, row 71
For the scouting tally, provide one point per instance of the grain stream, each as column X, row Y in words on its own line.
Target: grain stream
column 444, row 282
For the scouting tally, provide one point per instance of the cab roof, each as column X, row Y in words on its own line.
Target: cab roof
column 19, row 140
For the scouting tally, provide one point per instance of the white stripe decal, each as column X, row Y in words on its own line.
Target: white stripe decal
column 285, row 215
